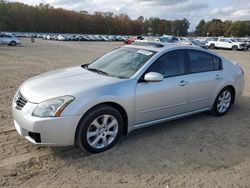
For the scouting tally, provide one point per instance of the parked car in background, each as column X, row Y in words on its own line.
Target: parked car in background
column 198, row 43
column 132, row 87
column 193, row 42
column 169, row 39
column 247, row 43
column 48, row 37
column 226, row 43
column 10, row 39
column 132, row 39
column 61, row 38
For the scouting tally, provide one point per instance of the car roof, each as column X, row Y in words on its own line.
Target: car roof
column 152, row 46
column 159, row 46
column 169, row 46
column 9, row 34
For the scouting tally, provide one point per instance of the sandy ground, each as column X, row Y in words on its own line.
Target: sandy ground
column 199, row 151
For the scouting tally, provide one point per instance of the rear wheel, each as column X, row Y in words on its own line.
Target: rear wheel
column 235, row 48
column 12, row 43
column 223, row 102
column 212, row 46
column 99, row 129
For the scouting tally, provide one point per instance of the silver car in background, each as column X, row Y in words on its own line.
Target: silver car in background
column 134, row 86
column 9, row 39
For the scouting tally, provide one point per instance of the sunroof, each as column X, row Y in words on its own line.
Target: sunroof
column 149, row 44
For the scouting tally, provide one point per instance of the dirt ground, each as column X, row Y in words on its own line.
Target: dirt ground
column 198, row 151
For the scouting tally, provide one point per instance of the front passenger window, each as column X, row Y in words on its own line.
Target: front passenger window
column 170, row 64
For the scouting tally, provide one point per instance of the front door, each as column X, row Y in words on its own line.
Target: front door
column 159, row 100
column 224, row 43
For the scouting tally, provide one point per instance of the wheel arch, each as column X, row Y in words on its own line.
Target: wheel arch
column 233, row 90
column 226, row 86
column 11, row 42
column 212, row 45
column 123, row 113
column 115, row 105
column 235, row 46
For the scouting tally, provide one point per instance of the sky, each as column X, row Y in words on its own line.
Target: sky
column 193, row 10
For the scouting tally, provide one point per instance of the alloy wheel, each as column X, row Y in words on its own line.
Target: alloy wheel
column 224, row 101
column 102, row 131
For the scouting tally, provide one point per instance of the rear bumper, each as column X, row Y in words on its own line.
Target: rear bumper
column 240, row 83
column 49, row 131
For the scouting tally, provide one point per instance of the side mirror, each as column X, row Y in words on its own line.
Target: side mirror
column 153, row 77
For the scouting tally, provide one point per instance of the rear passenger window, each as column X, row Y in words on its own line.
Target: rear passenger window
column 200, row 62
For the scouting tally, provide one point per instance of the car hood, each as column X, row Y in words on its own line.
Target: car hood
column 68, row 81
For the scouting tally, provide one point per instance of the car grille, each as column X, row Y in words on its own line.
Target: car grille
column 20, row 101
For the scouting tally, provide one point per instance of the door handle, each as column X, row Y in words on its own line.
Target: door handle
column 183, row 83
column 217, row 77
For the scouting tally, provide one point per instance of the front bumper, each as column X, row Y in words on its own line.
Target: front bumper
column 242, row 47
column 48, row 131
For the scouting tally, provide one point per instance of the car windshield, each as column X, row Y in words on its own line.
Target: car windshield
column 121, row 63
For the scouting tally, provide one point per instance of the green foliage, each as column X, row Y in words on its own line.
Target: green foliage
column 3, row 15
column 160, row 26
column 216, row 27
column 200, row 28
column 44, row 18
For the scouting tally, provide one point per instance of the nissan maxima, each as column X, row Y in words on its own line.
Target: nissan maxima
column 91, row 106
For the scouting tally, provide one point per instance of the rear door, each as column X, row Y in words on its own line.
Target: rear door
column 205, row 74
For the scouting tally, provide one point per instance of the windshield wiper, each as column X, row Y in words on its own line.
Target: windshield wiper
column 102, row 72
column 93, row 69
column 97, row 70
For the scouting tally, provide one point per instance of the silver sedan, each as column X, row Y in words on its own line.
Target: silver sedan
column 134, row 86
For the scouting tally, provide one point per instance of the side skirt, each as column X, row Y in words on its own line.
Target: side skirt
column 155, row 122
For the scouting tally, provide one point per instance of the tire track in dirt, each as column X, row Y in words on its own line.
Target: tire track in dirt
column 24, row 157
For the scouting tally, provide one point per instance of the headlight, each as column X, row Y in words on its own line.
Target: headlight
column 52, row 107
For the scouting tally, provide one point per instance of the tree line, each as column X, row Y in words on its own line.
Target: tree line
column 216, row 27
column 20, row 17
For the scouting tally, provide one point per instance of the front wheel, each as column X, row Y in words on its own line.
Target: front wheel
column 223, row 102
column 12, row 43
column 212, row 46
column 99, row 129
column 235, row 48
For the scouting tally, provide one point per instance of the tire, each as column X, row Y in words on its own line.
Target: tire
column 12, row 43
column 212, row 46
column 94, row 135
column 223, row 102
column 235, row 48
